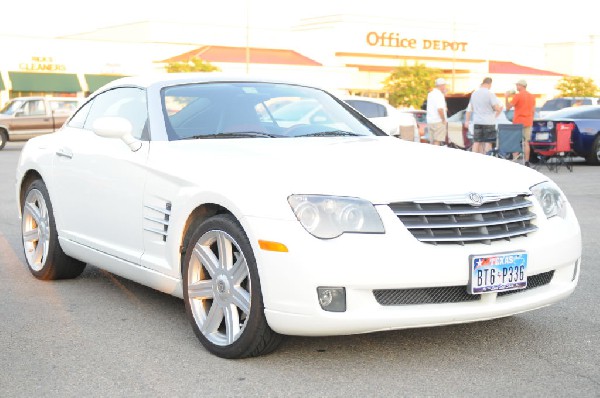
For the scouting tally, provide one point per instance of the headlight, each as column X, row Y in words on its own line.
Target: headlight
column 330, row 216
column 551, row 198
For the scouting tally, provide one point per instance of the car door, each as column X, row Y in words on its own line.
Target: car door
column 98, row 182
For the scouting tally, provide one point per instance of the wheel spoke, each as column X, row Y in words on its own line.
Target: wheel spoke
column 38, row 255
column 42, row 206
column 201, row 290
column 232, row 323
column 31, row 235
column 241, row 299
column 239, row 270
column 207, row 258
column 213, row 320
column 225, row 251
column 32, row 210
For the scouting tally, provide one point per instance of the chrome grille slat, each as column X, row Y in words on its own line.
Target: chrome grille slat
column 462, row 223
column 460, row 236
column 459, row 224
column 415, row 208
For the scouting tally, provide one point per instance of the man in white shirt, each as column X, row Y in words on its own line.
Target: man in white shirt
column 437, row 111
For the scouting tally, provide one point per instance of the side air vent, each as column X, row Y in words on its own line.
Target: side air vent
column 158, row 219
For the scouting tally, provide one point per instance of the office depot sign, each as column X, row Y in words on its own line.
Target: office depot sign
column 392, row 39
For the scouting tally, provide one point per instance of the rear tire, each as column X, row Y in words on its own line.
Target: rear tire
column 594, row 156
column 45, row 258
column 222, row 293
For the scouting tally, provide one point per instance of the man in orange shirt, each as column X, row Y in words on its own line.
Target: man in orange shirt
column 524, row 103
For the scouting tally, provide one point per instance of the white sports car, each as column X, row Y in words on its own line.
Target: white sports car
column 190, row 184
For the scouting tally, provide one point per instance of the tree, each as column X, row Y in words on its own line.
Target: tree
column 577, row 86
column 409, row 85
column 194, row 64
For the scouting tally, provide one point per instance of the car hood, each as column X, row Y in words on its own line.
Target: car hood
column 379, row 169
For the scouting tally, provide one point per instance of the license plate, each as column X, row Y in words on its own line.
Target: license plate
column 497, row 272
column 542, row 136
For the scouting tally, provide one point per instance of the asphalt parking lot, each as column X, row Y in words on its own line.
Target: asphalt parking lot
column 102, row 335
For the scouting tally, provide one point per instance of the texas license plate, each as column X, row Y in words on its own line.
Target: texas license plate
column 498, row 272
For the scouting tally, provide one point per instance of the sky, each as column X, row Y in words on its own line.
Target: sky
column 510, row 20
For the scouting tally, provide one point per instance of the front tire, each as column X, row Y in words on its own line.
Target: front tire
column 222, row 293
column 3, row 138
column 43, row 253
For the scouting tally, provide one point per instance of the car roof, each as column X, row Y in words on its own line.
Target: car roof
column 381, row 101
column 166, row 79
column 569, row 112
column 37, row 97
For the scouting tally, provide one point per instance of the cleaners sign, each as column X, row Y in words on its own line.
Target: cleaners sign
column 392, row 39
column 42, row 64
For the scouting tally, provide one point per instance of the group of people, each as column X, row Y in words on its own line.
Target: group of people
column 484, row 107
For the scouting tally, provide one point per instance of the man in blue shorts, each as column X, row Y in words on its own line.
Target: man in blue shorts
column 485, row 107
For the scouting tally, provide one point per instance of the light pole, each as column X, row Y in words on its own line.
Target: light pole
column 247, row 36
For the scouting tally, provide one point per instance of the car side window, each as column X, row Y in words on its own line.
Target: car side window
column 34, row 108
column 78, row 119
column 62, row 107
column 369, row 109
column 125, row 102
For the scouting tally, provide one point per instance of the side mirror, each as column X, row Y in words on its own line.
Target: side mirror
column 116, row 127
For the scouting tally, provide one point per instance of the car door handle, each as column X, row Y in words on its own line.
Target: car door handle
column 64, row 153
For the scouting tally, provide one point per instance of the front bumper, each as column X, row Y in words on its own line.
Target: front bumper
column 363, row 263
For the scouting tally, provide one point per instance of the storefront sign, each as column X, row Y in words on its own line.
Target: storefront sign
column 391, row 39
column 42, row 64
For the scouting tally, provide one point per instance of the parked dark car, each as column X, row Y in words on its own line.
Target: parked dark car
column 556, row 104
column 585, row 136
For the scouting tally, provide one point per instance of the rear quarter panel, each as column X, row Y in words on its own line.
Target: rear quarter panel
column 584, row 136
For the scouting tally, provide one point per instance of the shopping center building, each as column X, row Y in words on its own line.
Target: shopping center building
column 344, row 53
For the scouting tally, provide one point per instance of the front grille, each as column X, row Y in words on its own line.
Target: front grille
column 448, row 294
column 430, row 295
column 533, row 281
column 463, row 223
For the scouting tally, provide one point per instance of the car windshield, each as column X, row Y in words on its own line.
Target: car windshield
column 12, row 107
column 248, row 109
column 561, row 103
column 461, row 115
column 458, row 116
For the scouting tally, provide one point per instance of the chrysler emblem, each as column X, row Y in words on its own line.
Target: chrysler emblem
column 475, row 199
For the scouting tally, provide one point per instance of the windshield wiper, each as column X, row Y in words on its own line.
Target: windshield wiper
column 245, row 134
column 333, row 133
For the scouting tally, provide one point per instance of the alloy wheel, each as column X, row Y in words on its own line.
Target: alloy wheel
column 36, row 229
column 219, row 288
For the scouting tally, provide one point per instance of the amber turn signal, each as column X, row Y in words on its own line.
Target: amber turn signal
column 272, row 246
